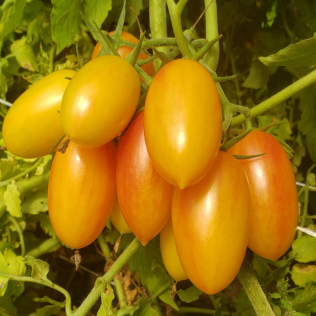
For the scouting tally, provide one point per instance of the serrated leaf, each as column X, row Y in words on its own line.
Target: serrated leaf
column 40, row 268
column 258, row 76
column 189, row 295
column 301, row 54
column 12, row 200
column 106, row 303
column 35, row 203
column 304, row 249
column 11, row 18
column 65, row 22
column 47, row 310
column 303, row 273
column 97, row 10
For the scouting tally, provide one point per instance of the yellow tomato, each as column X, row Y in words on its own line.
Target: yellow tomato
column 33, row 124
column 183, row 122
column 100, row 101
column 170, row 254
column 118, row 220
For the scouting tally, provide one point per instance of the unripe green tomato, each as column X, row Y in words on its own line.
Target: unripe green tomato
column 33, row 124
column 100, row 101
column 183, row 122
column 118, row 220
column 274, row 201
column 211, row 224
column 169, row 253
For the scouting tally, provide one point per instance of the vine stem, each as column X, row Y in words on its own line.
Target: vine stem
column 19, row 230
column 104, row 247
column 119, row 291
column 44, row 247
column 102, row 281
column 278, row 98
column 254, row 291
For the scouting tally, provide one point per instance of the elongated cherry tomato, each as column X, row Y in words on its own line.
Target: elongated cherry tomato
column 81, row 193
column 169, row 253
column 100, row 101
column 183, row 122
column 125, row 51
column 33, row 124
column 118, row 220
column 211, row 225
column 274, row 202
column 144, row 196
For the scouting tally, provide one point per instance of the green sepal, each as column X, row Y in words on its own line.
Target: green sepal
column 223, row 79
column 235, row 140
column 144, row 76
column 120, row 24
column 107, row 41
column 248, row 157
column 133, row 55
column 200, row 54
column 268, row 126
column 163, row 57
column 285, row 146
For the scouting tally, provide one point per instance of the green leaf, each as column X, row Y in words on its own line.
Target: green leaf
column 47, row 310
column 145, row 309
column 307, row 123
column 35, row 203
column 301, row 54
column 305, row 299
column 4, row 245
column 303, row 273
column 65, row 22
column 137, row 6
column 304, row 249
column 243, row 305
column 12, row 200
column 7, row 304
column 189, row 295
column 126, row 310
column 45, row 223
column 11, row 18
column 258, row 76
column 41, row 168
column 40, row 268
column 106, row 303
column 97, row 10
column 31, row 10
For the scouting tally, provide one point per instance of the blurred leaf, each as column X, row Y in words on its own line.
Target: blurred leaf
column 4, row 245
column 303, row 273
column 305, row 299
column 31, row 10
column 145, row 308
column 7, row 304
column 40, row 268
column 45, row 224
column 243, row 305
column 47, row 310
column 258, row 76
column 65, row 22
column 301, row 54
column 126, row 310
column 35, row 203
column 271, row 14
column 97, row 10
column 137, row 6
column 189, row 295
column 106, row 303
column 304, row 249
column 12, row 200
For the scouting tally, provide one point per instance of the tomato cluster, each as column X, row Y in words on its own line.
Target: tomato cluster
column 167, row 173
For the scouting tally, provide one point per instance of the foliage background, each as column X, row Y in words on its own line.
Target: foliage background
column 37, row 37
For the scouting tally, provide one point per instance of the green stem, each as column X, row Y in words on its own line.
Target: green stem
column 212, row 56
column 22, row 174
column 306, row 198
column 101, row 282
column 26, row 185
column 46, row 283
column 104, row 247
column 44, row 247
column 120, row 292
column 158, row 24
column 175, row 15
column 19, row 230
column 279, row 97
column 254, row 291
column 197, row 310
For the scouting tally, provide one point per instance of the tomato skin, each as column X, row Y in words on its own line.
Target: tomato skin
column 118, row 220
column 33, row 124
column 211, row 225
column 81, row 193
column 183, row 122
column 125, row 50
column 169, row 253
column 273, row 193
column 144, row 196
column 100, row 101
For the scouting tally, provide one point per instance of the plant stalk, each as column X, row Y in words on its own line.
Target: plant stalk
column 104, row 247
column 120, row 292
column 44, row 247
column 19, row 230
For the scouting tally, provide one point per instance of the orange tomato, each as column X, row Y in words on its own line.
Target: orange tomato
column 100, row 101
column 118, row 220
column 33, row 124
column 183, row 122
column 211, row 225
column 144, row 196
column 125, row 51
column 169, row 253
column 274, row 202
column 81, row 193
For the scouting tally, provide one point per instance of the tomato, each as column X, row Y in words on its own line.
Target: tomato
column 33, row 124
column 211, row 223
column 170, row 255
column 118, row 220
column 183, row 122
column 100, row 101
column 144, row 196
column 81, row 193
column 125, row 51
column 274, row 201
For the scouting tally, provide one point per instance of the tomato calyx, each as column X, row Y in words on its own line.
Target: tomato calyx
column 76, row 258
column 63, row 146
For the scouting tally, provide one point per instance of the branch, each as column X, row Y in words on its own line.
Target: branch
column 44, row 247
